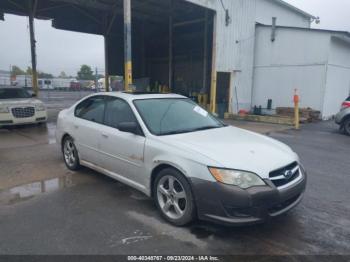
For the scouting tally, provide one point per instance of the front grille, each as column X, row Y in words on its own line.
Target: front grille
column 23, row 112
column 285, row 175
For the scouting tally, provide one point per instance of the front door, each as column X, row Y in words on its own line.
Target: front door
column 123, row 153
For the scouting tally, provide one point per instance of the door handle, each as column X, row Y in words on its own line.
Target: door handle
column 104, row 136
column 76, row 126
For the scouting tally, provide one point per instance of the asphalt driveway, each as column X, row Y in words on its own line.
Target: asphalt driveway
column 46, row 209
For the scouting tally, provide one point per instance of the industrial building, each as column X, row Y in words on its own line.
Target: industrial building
column 222, row 51
column 316, row 62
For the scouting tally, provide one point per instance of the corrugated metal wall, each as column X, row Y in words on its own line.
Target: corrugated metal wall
column 236, row 42
column 300, row 59
column 338, row 75
column 285, row 17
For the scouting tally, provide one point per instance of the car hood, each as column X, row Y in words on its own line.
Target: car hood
column 236, row 148
column 19, row 102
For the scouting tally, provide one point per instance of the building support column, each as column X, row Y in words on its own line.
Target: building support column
column 205, row 53
column 106, row 63
column 213, row 70
column 32, row 11
column 127, row 46
column 171, row 46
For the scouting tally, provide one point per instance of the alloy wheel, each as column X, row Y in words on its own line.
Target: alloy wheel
column 70, row 153
column 172, row 197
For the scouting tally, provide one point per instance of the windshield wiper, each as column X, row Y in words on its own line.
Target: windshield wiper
column 189, row 130
column 205, row 128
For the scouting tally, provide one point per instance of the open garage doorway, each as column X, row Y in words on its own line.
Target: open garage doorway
column 172, row 40
column 171, row 48
column 223, row 92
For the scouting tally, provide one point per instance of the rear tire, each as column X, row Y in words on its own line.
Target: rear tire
column 173, row 197
column 70, row 154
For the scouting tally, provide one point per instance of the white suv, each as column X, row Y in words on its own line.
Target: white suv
column 18, row 107
column 191, row 163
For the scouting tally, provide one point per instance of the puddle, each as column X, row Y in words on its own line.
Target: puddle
column 29, row 191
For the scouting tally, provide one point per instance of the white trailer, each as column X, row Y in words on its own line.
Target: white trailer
column 45, row 84
column 23, row 81
column 5, row 78
column 62, row 82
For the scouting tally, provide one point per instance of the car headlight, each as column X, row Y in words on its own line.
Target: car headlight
column 40, row 107
column 238, row 178
column 4, row 110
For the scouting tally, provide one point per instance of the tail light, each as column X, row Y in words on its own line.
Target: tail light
column 346, row 104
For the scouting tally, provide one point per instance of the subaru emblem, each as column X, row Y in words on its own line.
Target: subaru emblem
column 288, row 174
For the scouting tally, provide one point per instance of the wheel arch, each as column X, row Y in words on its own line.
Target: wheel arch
column 64, row 136
column 161, row 166
column 345, row 118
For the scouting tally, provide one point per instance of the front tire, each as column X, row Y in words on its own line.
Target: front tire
column 346, row 126
column 173, row 197
column 70, row 154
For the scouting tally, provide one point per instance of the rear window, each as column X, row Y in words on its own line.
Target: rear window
column 348, row 99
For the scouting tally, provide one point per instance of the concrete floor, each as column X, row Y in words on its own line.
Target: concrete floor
column 46, row 209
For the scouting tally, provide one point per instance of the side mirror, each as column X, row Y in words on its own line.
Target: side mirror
column 129, row 127
column 33, row 95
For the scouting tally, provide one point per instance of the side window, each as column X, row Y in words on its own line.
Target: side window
column 118, row 111
column 91, row 109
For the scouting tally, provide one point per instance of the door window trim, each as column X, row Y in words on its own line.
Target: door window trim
column 105, row 98
column 141, row 133
column 91, row 97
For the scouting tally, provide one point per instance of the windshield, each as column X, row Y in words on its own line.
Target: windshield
column 13, row 93
column 175, row 116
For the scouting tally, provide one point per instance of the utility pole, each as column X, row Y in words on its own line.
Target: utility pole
column 96, row 79
column 11, row 75
column 171, row 46
column 32, row 10
column 127, row 45
column 106, row 39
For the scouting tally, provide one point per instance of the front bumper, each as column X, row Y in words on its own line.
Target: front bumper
column 10, row 120
column 231, row 205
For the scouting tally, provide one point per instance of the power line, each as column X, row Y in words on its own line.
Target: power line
column 223, row 6
column 227, row 14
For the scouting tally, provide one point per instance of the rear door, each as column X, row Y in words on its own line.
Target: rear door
column 123, row 153
column 86, row 128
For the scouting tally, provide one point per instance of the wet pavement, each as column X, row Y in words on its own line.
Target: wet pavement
column 47, row 209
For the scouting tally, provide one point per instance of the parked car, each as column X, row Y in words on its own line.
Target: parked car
column 343, row 117
column 18, row 107
column 192, row 164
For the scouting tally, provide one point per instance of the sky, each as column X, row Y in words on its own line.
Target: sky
column 59, row 50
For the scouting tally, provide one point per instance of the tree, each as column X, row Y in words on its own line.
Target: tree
column 17, row 71
column 63, row 75
column 44, row 75
column 86, row 73
column 29, row 71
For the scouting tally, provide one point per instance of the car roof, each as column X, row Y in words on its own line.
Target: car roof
column 131, row 96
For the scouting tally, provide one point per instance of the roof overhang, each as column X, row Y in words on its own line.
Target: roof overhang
column 338, row 32
column 100, row 16
column 295, row 9
column 343, row 38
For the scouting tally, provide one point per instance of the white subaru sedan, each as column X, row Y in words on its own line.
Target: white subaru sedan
column 189, row 162
column 18, row 107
